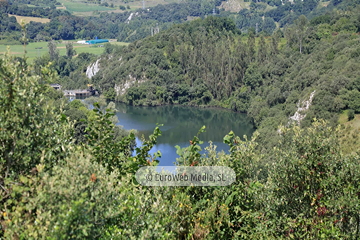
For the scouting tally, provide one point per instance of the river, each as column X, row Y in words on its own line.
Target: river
column 181, row 124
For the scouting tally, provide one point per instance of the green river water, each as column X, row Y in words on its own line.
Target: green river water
column 181, row 124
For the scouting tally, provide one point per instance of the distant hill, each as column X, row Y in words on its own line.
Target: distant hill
column 130, row 22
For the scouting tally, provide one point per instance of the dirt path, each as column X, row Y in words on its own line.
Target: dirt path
column 12, row 52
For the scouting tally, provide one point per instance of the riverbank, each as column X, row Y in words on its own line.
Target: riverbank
column 216, row 105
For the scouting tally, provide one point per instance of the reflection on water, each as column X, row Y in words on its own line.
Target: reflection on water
column 71, row 98
column 181, row 124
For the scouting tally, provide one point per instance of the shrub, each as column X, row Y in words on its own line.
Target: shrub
column 76, row 200
column 350, row 114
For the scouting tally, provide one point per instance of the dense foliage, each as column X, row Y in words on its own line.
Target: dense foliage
column 130, row 26
column 67, row 171
column 207, row 62
column 54, row 187
column 124, row 26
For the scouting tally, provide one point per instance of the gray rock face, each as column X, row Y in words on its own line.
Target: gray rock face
column 302, row 107
column 120, row 89
column 92, row 69
column 300, row 113
column 131, row 16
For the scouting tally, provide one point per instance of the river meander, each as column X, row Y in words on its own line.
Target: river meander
column 181, row 124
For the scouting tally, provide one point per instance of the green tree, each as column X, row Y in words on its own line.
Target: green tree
column 70, row 51
column 75, row 200
column 27, row 120
column 53, row 52
column 262, row 50
column 351, row 114
column 312, row 185
column 274, row 48
column 301, row 30
column 251, row 45
column 32, row 130
column 252, row 77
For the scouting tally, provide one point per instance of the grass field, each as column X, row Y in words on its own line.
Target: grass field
column 29, row 19
column 81, row 8
column 149, row 3
column 77, row 6
column 40, row 48
column 350, row 138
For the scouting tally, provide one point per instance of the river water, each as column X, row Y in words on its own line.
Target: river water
column 181, row 124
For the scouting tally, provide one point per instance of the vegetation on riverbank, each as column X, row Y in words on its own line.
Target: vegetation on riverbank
column 55, row 185
column 67, row 172
column 208, row 62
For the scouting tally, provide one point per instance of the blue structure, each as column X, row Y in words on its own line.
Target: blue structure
column 96, row 41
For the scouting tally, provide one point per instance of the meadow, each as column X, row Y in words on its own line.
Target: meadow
column 349, row 138
column 77, row 6
column 37, row 49
column 29, row 19
column 81, row 8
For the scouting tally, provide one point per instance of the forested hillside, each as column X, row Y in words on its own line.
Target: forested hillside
column 126, row 26
column 66, row 172
column 208, row 62
column 263, row 16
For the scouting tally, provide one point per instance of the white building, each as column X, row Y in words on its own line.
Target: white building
column 82, row 42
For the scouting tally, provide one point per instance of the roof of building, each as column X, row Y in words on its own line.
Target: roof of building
column 95, row 41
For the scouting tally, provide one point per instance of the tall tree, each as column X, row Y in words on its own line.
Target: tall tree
column 301, row 30
column 53, row 52
column 70, row 52
column 251, row 44
column 262, row 52
column 274, row 49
